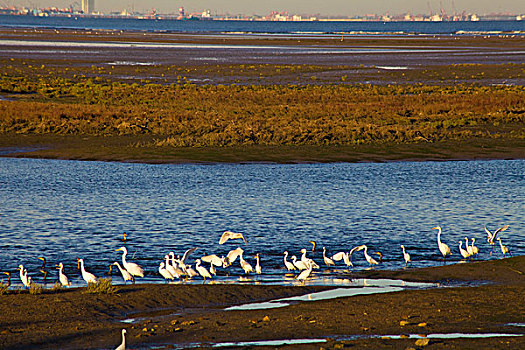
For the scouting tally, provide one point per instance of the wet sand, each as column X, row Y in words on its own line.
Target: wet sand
column 178, row 316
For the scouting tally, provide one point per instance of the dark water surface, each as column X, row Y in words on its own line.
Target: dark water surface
column 264, row 27
column 68, row 209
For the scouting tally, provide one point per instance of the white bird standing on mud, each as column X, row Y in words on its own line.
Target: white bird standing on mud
column 134, row 269
column 26, row 280
column 87, row 276
column 125, row 274
column 443, row 248
column 231, row 235
column 122, row 345
column 62, row 278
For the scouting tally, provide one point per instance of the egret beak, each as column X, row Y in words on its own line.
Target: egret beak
column 42, row 258
column 118, row 249
column 434, row 228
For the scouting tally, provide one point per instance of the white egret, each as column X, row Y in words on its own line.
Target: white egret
column 492, row 236
column 190, row 272
column 462, row 251
column 443, row 248
column 368, row 258
column 186, row 255
column 504, row 248
column 164, row 272
column 245, row 265
column 406, row 256
column 306, row 260
column 171, row 268
column 215, row 260
column 327, row 260
column 202, row 270
column 62, row 278
column 475, row 249
column 26, row 280
column 126, row 276
column 288, row 264
column 468, row 248
column 345, row 256
column 299, row 264
column 231, row 235
column 258, row 265
column 213, row 271
column 134, row 269
column 122, row 345
column 305, row 274
column 87, row 276
column 233, row 254
column 174, row 268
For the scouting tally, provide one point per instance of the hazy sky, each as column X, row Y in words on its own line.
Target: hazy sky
column 324, row 7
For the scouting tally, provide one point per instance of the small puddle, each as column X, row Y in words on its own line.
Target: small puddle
column 452, row 335
column 270, row 342
column 356, row 287
column 515, row 324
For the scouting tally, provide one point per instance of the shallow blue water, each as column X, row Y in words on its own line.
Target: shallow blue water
column 69, row 209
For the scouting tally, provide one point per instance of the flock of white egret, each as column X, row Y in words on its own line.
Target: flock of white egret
column 177, row 268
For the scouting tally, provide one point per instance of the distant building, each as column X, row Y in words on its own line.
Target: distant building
column 88, row 6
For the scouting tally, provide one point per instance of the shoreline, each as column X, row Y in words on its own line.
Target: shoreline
column 193, row 315
column 121, row 149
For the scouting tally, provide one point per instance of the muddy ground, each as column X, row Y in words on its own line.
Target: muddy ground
column 179, row 316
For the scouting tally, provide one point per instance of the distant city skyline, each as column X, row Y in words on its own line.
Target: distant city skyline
column 326, row 7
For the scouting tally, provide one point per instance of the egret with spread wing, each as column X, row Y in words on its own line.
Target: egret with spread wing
column 231, row 235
